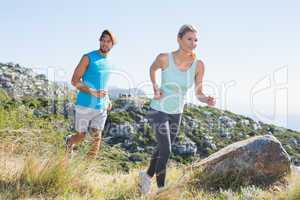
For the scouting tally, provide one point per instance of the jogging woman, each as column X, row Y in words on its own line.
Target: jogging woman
column 180, row 70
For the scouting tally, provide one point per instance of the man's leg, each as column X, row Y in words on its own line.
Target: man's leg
column 97, row 125
column 77, row 138
column 82, row 117
column 72, row 140
column 96, row 141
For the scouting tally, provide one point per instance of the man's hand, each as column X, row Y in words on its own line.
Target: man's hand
column 99, row 93
column 109, row 107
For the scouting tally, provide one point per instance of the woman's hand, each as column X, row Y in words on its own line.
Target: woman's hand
column 209, row 100
column 158, row 94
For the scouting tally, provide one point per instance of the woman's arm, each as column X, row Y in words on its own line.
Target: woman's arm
column 199, row 85
column 158, row 63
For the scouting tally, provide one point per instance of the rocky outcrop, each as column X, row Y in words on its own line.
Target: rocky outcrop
column 23, row 82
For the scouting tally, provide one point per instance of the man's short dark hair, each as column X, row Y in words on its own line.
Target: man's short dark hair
column 110, row 34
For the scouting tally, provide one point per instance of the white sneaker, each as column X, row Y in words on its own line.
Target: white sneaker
column 145, row 183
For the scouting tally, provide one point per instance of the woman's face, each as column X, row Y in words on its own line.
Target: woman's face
column 188, row 42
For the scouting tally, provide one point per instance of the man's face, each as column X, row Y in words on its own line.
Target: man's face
column 106, row 43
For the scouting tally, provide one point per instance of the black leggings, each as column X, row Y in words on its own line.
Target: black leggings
column 166, row 127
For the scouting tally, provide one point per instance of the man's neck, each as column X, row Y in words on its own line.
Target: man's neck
column 102, row 53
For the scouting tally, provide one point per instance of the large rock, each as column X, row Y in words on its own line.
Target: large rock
column 259, row 160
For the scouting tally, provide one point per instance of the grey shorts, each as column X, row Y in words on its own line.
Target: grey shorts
column 86, row 118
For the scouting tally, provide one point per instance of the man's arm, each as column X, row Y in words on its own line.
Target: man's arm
column 77, row 75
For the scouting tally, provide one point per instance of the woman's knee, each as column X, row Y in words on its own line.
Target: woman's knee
column 165, row 151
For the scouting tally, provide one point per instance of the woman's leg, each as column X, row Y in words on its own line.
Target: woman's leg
column 166, row 136
column 164, row 146
column 166, row 128
column 174, row 121
column 160, row 127
column 152, row 166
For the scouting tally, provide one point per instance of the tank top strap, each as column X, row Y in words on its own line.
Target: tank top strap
column 194, row 66
column 171, row 60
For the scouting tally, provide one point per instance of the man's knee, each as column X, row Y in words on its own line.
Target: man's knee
column 80, row 135
column 96, row 133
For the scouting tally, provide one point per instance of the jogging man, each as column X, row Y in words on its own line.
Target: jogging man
column 90, row 78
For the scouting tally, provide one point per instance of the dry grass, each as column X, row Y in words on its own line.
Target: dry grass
column 29, row 176
column 56, row 178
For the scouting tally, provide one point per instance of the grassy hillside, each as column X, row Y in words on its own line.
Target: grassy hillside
column 32, row 164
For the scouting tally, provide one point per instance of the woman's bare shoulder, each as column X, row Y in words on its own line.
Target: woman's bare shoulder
column 162, row 60
column 162, row 57
column 199, row 64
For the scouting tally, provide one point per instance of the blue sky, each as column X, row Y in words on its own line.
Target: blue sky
column 244, row 43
